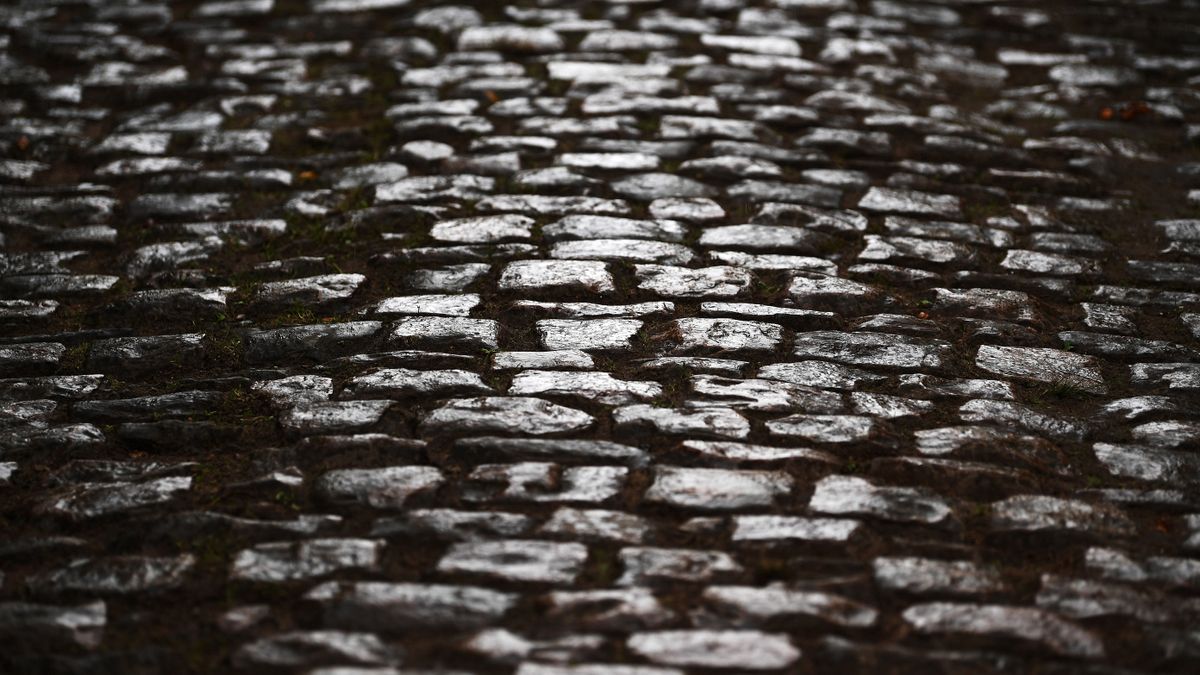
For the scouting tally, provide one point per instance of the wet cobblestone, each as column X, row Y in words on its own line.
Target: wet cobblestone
column 610, row 337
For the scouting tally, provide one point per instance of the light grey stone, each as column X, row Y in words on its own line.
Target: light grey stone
column 755, row 606
column 889, row 407
column 929, row 576
column 716, row 489
column 448, row 279
column 1089, row 599
column 608, row 227
column 824, row 428
column 118, row 575
column 697, row 364
column 446, row 332
column 543, row 482
column 1089, row 75
column 310, row 291
column 692, row 209
column 1136, row 407
column 459, row 305
column 432, row 188
column 533, row 275
column 1041, row 513
column 892, row 200
column 520, row 560
column 750, row 452
column 1014, row 414
column 779, row 46
column 369, row 174
column 590, row 71
column 758, row 191
column 452, row 524
column 599, row 387
column 597, row 334
column 609, row 609
column 427, row 151
column 324, row 417
column 1023, row 623
column 554, row 205
column 764, row 395
column 921, row 251
column 622, row 161
column 625, row 40
column 1052, row 366
column 400, row 382
column 483, row 229
column 1122, row 346
column 146, row 260
column 564, row 358
column 741, row 649
column 1168, row 433
column 708, row 422
column 848, row 495
column 682, row 282
column 636, row 250
column 731, row 167
column 619, row 97
column 300, row 649
column 505, row 646
column 725, row 335
column 381, row 488
column 758, row 311
column 773, row 261
column 509, row 38
column 278, row 562
column 558, row 449
column 819, row 374
column 399, row 607
column 1175, row 376
column 596, row 525
column 644, row 565
column 773, row 237
column 317, row 341
column 31, row 355
column 496, row 414
column 92, row 500
column 1148, row 462
column 872, row 349
column 52, row 386
column 950, row 388
column 782, row 528
column 1037, row 262
column 588, row 310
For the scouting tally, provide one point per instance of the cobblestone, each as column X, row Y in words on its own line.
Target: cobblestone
column 611, row 337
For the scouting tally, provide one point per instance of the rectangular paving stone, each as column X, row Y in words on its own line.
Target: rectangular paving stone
column 516, row 560
column 623, row 338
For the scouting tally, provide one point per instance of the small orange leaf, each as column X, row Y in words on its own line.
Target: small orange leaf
column 1106, row 113
column 308, row 175
column 491, row 96
column 23, row 143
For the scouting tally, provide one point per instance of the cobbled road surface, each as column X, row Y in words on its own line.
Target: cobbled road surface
column 626, row 337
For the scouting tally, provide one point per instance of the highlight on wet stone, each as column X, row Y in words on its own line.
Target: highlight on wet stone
column 599, row 337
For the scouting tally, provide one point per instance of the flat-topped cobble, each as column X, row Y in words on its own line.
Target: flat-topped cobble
column 600, row 337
